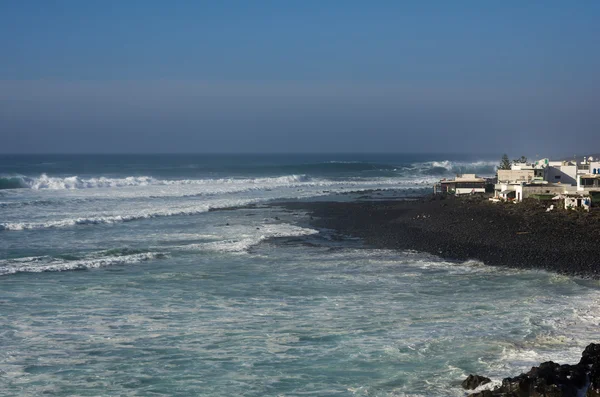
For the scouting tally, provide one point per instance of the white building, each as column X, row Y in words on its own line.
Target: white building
column 517, row 191
column 567, row 172
column 570, row 179
column 577, row 200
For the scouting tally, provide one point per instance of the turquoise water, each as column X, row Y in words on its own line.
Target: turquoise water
column 123, row 283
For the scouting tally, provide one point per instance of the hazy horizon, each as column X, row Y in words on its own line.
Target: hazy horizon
column 148, row 77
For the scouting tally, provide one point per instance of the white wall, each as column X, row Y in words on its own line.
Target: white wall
column 565, row 174
column 594, row 165
column 468, row 190
column 572, row 202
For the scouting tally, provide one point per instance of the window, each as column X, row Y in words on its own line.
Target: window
column 556, row 176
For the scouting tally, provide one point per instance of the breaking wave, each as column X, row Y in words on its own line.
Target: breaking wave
column 75, row 182
column 446, row 167
column 39, row 264
column 13, row 182
column 100, row 220
column 294, row 174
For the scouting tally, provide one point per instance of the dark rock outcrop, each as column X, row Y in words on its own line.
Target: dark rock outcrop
column 474, row 381
column 550, row 379
column 591, row 359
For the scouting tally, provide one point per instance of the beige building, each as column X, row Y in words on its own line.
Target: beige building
column 463, row 184
column 525, row 175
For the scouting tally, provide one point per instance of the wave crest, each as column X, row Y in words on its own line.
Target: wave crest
column 75, row 182
column 39, row 264
column 446, row 167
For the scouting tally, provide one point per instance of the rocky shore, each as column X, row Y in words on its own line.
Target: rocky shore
column 516, row 235
column 549, row 379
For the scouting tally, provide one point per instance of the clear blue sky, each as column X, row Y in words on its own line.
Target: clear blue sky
column 152, row 76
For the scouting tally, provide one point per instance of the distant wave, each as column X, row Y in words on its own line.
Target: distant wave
column 446, row 167
column 222, row 199
column 13, row 182
column 75, row 182
column 40, row 264
column 100, row 220
column 294, row 174
column 406, row 170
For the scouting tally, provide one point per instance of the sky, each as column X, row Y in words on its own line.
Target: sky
column 299, row 76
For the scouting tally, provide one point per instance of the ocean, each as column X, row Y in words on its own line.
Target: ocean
column 170, row 275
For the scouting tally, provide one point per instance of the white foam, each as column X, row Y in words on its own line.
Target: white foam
column 454, row 164
column 208, row 186
column 249, row 236
column 235, row 194
column 482, row 167
column 75, row 182
column 193, row 209
column 48, row 264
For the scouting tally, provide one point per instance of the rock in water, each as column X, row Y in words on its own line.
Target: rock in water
column 550, row 379
column 474, row 381
column 591, row 359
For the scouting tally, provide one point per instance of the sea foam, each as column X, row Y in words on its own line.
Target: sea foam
column 40, row 264
column 75, row 182
column 241, row 239
column 100, row 220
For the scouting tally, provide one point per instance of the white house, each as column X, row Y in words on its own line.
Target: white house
column 567, row 172
column 577, row 200
column 517, row 191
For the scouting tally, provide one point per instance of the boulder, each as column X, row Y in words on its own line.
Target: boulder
column 474, row 381
column 591, row 359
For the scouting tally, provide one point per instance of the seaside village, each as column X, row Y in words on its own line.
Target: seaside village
column 572, row 184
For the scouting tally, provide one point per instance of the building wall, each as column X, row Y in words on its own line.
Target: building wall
column 515, row 175
column 572, row 202
column 517, row 188
column 470, row 190
column 541, row 189
column 519, row 192
column 565, row 174
column 594, row 165
column 524, row 191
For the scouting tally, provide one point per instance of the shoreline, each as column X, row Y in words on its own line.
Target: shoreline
column 520, row 235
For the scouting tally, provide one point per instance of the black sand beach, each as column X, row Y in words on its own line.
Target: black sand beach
column 516, row 235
